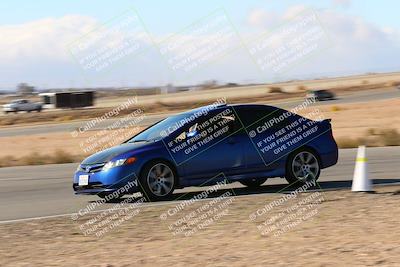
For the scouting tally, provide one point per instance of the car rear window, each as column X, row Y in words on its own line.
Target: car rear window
column 249, row 116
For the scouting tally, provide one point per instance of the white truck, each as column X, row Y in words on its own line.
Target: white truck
column 22, row 105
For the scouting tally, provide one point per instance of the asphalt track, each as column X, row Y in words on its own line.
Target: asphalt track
column 37, row 191
column 365, row 96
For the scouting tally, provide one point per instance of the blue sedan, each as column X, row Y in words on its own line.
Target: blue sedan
column 234, row 143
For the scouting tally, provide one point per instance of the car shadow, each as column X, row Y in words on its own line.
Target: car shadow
column 265, row 189
column 281, row 188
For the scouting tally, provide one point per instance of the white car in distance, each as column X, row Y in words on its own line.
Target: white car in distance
column 22, row 105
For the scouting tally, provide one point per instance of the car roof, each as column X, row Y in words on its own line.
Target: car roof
column 254, row 106
column 236, row 106
column 220, row 107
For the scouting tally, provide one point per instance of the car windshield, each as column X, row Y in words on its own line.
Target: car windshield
column 162, row 128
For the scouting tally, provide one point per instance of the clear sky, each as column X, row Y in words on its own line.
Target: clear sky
column 176, row 13
column 35, row 38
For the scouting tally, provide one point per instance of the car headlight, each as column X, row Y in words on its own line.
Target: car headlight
column 118, row 162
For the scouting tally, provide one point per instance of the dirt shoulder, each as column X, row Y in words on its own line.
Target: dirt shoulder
column 347, row 229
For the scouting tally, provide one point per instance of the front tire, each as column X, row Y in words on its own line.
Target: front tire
column 253, row 183
column 303, row 166
column 158, row 180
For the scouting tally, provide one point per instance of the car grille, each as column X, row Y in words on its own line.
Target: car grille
column 94, row 185
column 91, row 168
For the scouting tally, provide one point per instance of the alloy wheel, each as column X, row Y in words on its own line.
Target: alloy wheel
column 305, row 166
column 160, row 179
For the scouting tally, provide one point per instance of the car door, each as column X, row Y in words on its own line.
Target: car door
column 213, row 146
column 259, row 153
column 248, row 116
column 24, row 105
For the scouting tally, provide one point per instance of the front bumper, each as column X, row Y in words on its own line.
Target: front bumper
column 107, row 181
column 8, row 109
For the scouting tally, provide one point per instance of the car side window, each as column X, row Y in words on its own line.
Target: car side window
column 221, row 120
column 249, row 116
column 282, row 122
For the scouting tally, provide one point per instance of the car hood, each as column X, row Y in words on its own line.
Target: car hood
column 108, row 154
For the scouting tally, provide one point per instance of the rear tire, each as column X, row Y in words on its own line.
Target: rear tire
column 253, row 183
column 303, row 166
column 158, row 180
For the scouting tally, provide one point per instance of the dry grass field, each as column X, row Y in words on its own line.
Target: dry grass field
column 186, row 100
column 353, row 124
column 364, row 122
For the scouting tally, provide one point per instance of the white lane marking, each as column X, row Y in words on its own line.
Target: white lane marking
column 34, row 179
column 36, row 218
column 163, row 203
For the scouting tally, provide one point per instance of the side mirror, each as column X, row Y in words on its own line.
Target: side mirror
column 191, row 134
column 192, row 131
